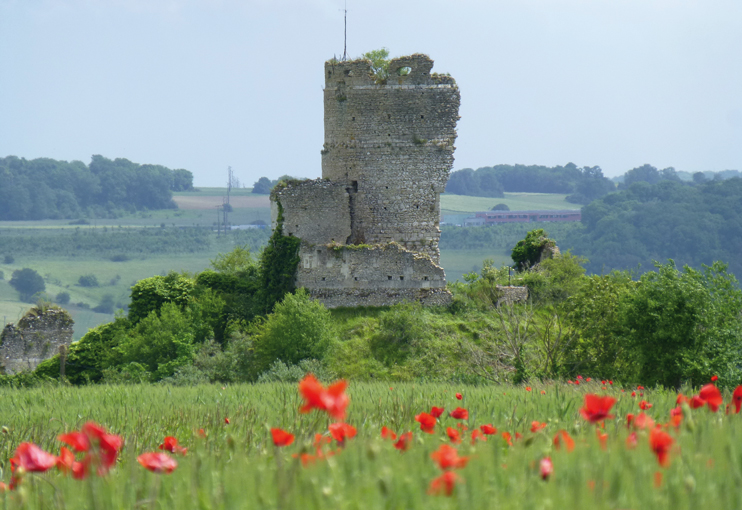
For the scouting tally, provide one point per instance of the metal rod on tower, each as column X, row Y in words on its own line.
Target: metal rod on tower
column 345, row 31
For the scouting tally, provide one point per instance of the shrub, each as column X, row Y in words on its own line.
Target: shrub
column 27, row 282
column 62, row 298
column 8, row 259
column 119, row 258
column 281, row 372
column 299, row 328
column 152, row 293
column 106, row 305
column 88, row 280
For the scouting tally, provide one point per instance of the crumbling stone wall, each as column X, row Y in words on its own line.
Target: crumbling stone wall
column 370, row 227
column 511, row 295
column 35, row 338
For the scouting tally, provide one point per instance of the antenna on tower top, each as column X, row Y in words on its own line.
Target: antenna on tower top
column 345, row 31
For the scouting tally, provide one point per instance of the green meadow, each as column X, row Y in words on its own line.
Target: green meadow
column 236, row 465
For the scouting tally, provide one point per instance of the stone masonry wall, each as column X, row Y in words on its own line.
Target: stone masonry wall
column 370, row 227
column 393, row 143
column 35, row 338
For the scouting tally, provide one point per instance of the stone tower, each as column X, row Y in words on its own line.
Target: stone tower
column 370, row 226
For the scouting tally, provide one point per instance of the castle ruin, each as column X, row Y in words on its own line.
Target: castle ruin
column 369, row 229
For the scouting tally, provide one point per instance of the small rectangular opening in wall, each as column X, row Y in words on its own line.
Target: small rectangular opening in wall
column 319, row 252
column 323, row 278
column 355, row 278
column 422, row 116
column 401, row 277
column 353, row 118
column 389, row 277
column 425, row 278
column 355, row 186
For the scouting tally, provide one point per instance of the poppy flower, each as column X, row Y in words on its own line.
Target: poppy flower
column 570, row 382
column 696, row 402
column 597, row 408
column 629, row 419
column 712, row 396
column 714, row 378
column 387, row 434
column 226, row 421
column 448, row 458
column 642, row 421
column 640, row 387
column 65, row 460
column 508, row 438
column 32, row 458
column 676, row 416
column 602, row 382
column 202, row 433
column 658, row 479
column 444, row 484
column 577, row 383
column 404, row 442
column 170, row 444
column 460, row 414
column 610, row 382
column 588, row 379
column 536, row 426
column 281, row 437
column 528, row 388
column 633, row 393
column 632, row 441
column 477, row 434
column 77, row 440
column 518, row 435
column 436, row 412
column 579, row 377
column 546, row 468
column 459, row 396
column 426, row 421
column 342, row 431
column 660, row 442
column 488, row 429
column 80, row 470
column 4, row 487
column 563, row 437
column 602, row 439
column 158, row 462
column 737, row 399
column 332, row 400
column 543, row 392
column 643, row 405
column 681, row 399
column 453, row 435
column 603, row 388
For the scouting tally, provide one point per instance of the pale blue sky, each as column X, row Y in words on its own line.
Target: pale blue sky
column 203, row 84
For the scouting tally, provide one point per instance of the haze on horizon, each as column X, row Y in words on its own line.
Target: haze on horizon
column 206, row 84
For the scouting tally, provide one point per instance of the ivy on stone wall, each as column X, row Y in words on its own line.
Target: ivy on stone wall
column 278, row 264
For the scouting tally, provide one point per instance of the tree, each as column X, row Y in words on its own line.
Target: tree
column 27, row 282
column 379, row 63
column 527, row 252
column 263, row 186
column 182, row 180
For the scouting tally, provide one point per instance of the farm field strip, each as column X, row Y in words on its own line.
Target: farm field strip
column 235, row 464
column 452, row 204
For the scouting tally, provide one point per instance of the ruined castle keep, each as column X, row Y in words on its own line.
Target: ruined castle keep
column 35, row 338
column 369, row 228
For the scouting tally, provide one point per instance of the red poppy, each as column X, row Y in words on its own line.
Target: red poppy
column 342, row 431
column 546, row 468
column 333, row 400
column 714, row 378
column 448, row 458
column 737, row 399
column 477, row 434
column 158, row 462
column 201, row 433
column 80, row 470
column 4, row 487
column 528, row 388
column 602, row 382
column 444, row 484
column 640, row 387
column 404, row 442
column 681, row 399
column 642, row 421
column 453, row 435
column 388, row 434
column 436, row 412
column 518, row 435
column 426, row 421
column 77, row 440
column 610, row 382
column 508, row 438
column 281, row 437
column 459, row 396
column 570, row 382
column 588, row 379
column 170, row 444
column 696, row 402
column 579, row 377
column 643, row 405
column 577, row 383
column 712, row 396
column 633, row 393
column 676, row 416
column 226, row 421
column 543, row 392
column 660, row 442
column 658, row 479
column 563, row 437
column 32, row 458
column 631, row 441
column 603, row 439
column 460, row 414
column 597, row 408
column 536, row 426
column 65, row 460
column 488, row 429
column 629, row 419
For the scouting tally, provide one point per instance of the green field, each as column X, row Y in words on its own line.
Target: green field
column 452, row 204
column 236, row 466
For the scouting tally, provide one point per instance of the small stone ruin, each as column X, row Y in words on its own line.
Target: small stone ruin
column 36, row 337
